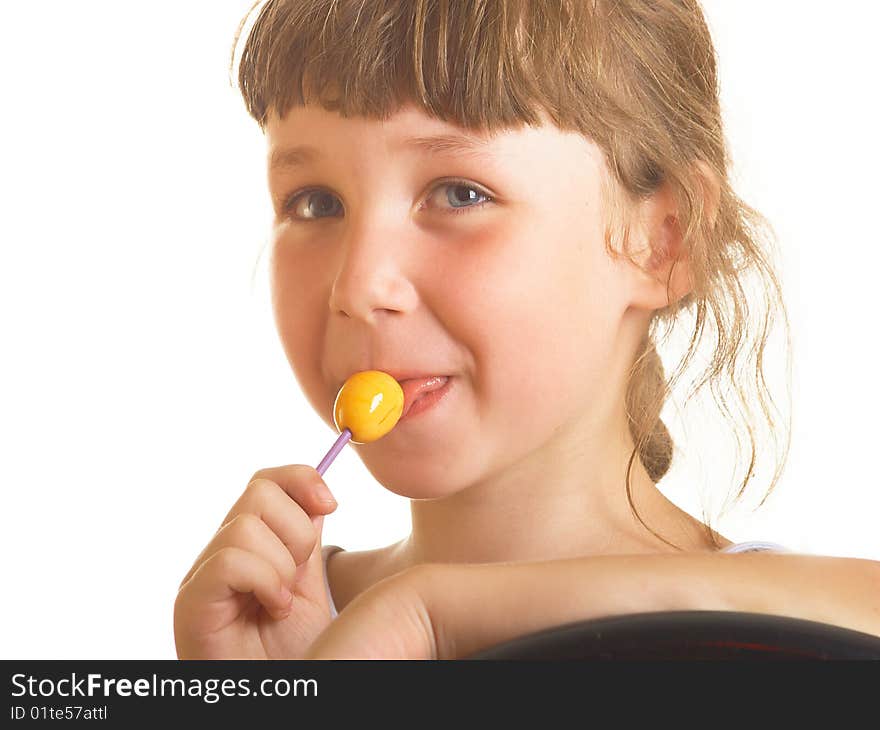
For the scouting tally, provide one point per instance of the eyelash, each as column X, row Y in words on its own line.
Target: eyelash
column 292, row 199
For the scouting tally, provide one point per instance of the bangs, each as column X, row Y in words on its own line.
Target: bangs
column 481, row 65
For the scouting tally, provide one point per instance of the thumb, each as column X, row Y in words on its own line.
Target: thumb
column 310, row 576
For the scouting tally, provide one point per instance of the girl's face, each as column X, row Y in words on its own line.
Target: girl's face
column 484, row 263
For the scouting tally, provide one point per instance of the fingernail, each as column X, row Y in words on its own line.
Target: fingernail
column 286, row 597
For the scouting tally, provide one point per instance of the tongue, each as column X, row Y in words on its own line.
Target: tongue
column 417, row 387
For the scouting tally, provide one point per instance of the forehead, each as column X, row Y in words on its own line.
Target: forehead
column 305, row 133
column 314, row 124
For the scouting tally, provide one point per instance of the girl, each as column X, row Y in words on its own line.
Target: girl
column 512, row 203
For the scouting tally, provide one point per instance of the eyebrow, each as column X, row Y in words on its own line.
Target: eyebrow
column 440, row 144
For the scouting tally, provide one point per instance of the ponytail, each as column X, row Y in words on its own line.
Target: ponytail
column 646, row 393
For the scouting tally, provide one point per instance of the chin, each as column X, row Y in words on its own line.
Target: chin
column 415, row 481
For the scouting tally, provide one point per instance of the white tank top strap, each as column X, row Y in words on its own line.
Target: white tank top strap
column 753, row 546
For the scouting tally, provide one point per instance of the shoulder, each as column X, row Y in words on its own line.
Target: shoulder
column 351, row 572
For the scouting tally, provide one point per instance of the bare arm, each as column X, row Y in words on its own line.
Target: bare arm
column 447, row 611
column 519, row 599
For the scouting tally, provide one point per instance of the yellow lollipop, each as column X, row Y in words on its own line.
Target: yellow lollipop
column 369, row 404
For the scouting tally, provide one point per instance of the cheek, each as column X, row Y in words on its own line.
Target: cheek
column 541, row 309
column 299, row 307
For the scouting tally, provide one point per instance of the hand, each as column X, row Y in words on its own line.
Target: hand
column 257, row 590
column 390, row 620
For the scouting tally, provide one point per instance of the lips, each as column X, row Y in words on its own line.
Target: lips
column 415, row 388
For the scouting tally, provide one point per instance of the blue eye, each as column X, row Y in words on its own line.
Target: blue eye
column 461, row 195
column 460, row 191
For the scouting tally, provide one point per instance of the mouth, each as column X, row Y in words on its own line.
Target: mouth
column 421, row 389
column 414, row 389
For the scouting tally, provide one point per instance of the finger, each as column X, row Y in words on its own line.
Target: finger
column 235, row 570
column 284, row 516
column 304, row 486
column 281, row 507
column 312, row 571
column 249, row 532
column 266, row 501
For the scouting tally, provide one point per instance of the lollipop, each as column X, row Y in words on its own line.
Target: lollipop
column 368, row 406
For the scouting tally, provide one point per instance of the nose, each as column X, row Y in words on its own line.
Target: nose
column 371, row 275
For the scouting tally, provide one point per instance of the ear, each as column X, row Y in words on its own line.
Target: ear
column 664, row 275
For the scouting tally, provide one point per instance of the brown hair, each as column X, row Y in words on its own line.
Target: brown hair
column 636, row 77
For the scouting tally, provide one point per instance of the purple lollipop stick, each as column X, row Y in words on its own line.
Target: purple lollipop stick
column 334, row 450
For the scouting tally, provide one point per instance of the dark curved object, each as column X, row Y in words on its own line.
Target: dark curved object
column 690, row 635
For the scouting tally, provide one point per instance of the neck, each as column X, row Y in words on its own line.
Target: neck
column 564, row 500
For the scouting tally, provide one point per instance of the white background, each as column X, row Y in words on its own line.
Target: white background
column 141, row 380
